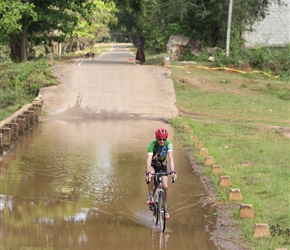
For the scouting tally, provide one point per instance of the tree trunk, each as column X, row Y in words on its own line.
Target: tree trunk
column 18, row 46
column 15, row 51
column 24, row 45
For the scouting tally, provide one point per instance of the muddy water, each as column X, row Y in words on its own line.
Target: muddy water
column 79, row 185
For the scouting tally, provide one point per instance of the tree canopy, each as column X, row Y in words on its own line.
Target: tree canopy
column 36, row 22
column 156, row 20
column 25, row 23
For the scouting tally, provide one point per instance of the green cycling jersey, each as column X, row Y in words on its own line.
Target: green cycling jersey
column 159, row 152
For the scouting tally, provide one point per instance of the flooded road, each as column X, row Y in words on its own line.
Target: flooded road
column 80, row 185
column 76, row 180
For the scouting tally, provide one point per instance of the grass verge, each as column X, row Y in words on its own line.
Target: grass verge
column 245, row 125
column 20, row 82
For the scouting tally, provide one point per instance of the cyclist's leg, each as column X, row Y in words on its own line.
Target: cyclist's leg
column 150, row 186
column 165, row 187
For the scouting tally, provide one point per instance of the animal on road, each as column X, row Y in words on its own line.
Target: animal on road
column 89, row 55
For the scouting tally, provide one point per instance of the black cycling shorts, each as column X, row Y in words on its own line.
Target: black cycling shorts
column 160, row 168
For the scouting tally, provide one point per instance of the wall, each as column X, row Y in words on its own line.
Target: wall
column 274, row 30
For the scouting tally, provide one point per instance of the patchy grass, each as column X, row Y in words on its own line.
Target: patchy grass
column 245, row 125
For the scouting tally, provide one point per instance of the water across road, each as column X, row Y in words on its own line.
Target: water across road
column 76, row 181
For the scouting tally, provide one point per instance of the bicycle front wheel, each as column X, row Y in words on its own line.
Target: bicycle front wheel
column 155, row 211
column 161, row 208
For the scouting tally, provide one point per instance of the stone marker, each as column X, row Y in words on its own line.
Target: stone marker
column 193, row 138
column 26, row 119
column 235, row 194
column 225, row 181
column 30, row 114
column 21, row 125
column 35, row 113
column 246, row 211
column 14, row 130
column 166, row 61
column 198, row 144
column 203, row 151
column 183, row 123
column 262, row 230
column 209, row 161
column 6, row 135
column 216, row 169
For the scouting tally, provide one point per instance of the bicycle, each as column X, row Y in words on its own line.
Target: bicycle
column 159, row 207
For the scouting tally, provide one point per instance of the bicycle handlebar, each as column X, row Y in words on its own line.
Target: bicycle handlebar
column 162, row 174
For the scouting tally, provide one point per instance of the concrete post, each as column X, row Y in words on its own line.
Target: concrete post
column 225, row 181
column 246, row 211
column 6, row 135
column 14, row 130
column 198, row 145
column 193, row 138
column 30, row 116
column 38, row 110
column 262, row 231
column 235, row 195
column 216, row 169
column 35, row 113
column 26, row 118
column 39, row 106
column 21, row 125
column 209, row 161
column 203, row 151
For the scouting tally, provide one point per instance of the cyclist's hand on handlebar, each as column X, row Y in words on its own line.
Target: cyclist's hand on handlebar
column 147, row 177
column 174, row 176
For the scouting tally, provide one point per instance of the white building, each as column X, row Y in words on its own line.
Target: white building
column 274, row 30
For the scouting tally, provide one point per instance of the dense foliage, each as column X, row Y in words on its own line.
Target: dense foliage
column 20, row 83
column 203, row 20
column 25, row 24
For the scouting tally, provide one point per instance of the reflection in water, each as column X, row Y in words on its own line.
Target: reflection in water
column 80, row 185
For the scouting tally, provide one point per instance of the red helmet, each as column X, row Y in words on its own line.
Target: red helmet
column 161, row 133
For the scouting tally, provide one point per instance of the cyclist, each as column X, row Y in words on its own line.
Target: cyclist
column 159, row 151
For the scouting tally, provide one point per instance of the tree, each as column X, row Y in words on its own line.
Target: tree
column 36, row 21
column 102, row 15
column 11, row 15
column 203, row 20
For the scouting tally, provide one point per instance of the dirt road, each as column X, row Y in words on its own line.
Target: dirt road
column 111, row 85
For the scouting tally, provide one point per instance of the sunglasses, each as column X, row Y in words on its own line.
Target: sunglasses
column 162, row 139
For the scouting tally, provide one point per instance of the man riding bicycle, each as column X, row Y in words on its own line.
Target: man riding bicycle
column 159, row 151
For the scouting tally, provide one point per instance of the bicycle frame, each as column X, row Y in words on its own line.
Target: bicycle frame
column 159, row 200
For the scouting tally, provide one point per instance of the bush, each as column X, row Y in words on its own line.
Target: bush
column 20, row 83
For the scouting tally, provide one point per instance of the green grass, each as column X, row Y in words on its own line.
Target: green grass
column 20, row 84
column 232, row 118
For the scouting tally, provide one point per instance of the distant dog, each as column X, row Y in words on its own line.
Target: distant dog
column 90, row 55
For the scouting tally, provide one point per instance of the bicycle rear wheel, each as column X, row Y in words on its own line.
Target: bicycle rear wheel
column 161, row 208
column 156, row 211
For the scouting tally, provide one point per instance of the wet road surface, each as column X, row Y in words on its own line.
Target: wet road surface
column 76, row 180
column 80, row 185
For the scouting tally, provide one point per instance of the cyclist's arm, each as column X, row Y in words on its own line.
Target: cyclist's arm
column 171, row 160
column 149, row 161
